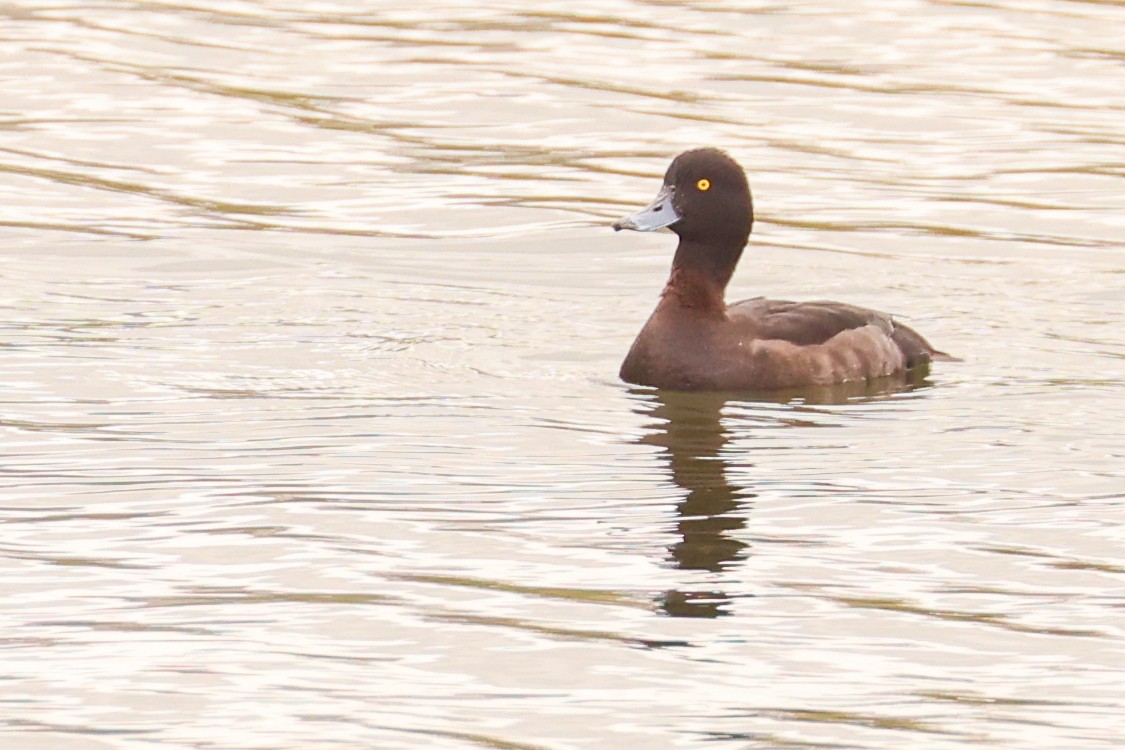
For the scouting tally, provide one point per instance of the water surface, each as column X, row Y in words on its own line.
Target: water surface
column 311, row 428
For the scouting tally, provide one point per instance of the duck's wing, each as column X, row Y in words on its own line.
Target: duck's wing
column 804, row 323
column 818, row 322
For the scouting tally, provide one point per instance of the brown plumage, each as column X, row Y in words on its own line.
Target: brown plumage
column 693, row 341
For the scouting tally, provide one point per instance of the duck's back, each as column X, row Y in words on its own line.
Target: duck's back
column 768, row 344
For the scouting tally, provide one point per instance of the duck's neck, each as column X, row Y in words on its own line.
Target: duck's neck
column 700, row 274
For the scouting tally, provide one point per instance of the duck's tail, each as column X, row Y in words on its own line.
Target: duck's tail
column 918, row 351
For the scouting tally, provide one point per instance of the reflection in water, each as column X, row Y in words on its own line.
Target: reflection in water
column 690, row 430
column 692, row 435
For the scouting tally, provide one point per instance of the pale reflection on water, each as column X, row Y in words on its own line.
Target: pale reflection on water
column 689, row 428
column 311, row 430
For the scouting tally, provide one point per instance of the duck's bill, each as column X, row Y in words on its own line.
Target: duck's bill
column 656, row 215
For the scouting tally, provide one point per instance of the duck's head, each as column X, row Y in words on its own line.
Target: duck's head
column 705, row 199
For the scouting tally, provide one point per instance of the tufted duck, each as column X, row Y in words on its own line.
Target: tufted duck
column 694, row 341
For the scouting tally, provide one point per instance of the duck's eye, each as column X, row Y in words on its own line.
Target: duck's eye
column 704, row 184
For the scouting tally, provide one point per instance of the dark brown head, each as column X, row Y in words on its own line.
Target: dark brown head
column 706, row 200
column 705, row 196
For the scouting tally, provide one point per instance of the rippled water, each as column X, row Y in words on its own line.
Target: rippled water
column 311, row 428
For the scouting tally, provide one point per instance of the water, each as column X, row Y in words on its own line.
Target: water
column 311, row 429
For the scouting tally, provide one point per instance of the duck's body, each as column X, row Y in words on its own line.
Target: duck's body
column 694, row 341
column 768, row 344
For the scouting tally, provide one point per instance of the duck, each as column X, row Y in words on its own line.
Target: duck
column 695, row 341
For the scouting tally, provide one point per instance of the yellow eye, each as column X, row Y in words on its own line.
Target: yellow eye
column 704, row 184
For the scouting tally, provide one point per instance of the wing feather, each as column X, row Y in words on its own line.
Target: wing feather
column 805, row 323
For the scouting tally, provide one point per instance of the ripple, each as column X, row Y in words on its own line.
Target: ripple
column 311, row 320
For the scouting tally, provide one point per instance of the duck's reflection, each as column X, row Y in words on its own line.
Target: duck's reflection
column 689, row 428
